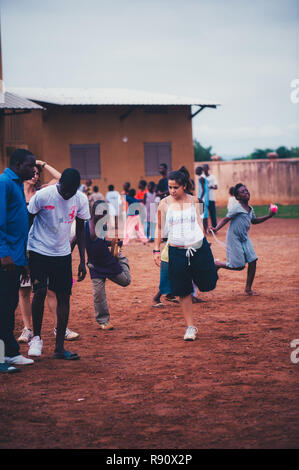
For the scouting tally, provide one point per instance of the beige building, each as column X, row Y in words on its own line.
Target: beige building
column 110, row 136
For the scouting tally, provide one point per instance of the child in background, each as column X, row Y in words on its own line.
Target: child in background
column 231, row 200
column 203, row 196
column 95, row 196
column 141, row 191
column 239, row 248
column 133, row 222
column 151, row 207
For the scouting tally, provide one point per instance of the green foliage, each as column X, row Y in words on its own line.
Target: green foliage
column 201, row 154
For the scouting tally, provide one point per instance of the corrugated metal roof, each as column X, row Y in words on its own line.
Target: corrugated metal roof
column 106, row 96
column 12, row 101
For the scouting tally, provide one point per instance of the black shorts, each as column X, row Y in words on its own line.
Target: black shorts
column 201, row 271
column 52, row 272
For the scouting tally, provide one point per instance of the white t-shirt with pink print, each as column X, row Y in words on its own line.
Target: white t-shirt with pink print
column 51, row 229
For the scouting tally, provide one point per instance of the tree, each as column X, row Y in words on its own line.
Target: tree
column 201, row 154
column 284, row 152
column 260, row 153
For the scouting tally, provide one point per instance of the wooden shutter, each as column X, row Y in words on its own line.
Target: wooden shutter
column 156, row 153
column 86, row 159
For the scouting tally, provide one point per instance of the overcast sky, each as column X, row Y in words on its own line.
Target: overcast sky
column 242, row 54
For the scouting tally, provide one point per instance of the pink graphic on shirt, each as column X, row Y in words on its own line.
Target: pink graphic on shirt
column 71, row 215
column 49, row 208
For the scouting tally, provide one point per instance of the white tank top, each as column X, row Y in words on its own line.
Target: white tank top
column 182, row 227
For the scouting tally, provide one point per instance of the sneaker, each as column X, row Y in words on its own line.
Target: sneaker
column 25, row 336
column 70, row 335
column 106, row 326
column 6, row 368
column 190, row 334
column 35, row 346
column 18, row 360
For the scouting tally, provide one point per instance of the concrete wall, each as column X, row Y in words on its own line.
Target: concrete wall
column 51, row 134
column 267, row 180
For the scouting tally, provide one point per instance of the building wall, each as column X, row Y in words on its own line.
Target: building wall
column 20, row 131
column 120, row 161
column 267, row 180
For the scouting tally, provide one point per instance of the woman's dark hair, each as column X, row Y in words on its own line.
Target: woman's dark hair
column 38, row 183
column 236, row 189
column 110, row 187
column 182, row 177
column 95, row 189
column 232, row 190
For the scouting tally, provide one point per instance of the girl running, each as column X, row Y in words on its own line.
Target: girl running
column 190, row 256
column 239, row 248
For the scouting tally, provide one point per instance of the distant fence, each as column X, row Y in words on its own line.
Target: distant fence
column 267, row 180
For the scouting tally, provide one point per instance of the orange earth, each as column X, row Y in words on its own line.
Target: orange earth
column 141, row 386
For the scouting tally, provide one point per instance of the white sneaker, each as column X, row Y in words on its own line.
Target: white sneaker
column 25, row 336
column 18, row 360
column 35, row 346
column 190, row 334
column 70, row 335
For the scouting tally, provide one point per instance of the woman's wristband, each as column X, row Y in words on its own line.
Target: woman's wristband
column 156, row 251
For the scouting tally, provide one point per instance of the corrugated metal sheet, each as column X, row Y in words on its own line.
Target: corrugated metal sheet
column 105, row 96
column 12, row 101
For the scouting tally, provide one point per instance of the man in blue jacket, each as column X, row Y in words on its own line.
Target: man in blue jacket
column 14, row 227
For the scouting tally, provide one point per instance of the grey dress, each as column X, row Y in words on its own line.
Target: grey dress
column 239, row 248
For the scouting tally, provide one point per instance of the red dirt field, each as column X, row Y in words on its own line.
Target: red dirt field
column 141, row 386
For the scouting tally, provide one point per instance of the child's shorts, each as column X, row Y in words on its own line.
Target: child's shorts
column 202, row 270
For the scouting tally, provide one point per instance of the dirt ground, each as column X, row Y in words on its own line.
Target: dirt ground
column 141, row 386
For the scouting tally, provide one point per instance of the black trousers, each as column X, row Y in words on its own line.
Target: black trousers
column 9, row 299
column 212, row 212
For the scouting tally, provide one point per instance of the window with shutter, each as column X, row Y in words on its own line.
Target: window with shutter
column 86, row 159
column 156, row 153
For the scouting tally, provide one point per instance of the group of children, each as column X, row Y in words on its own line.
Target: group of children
column 180, row 221
column 186, row 261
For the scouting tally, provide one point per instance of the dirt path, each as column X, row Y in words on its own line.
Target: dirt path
column 140, row 386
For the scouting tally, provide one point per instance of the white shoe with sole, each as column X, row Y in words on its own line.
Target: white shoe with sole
column 35, row 346
column 18, row 360
column 190, row 334
column 25, row 336
column 70, row 335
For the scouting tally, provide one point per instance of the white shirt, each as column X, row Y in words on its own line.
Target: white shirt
column 182, row 228
column 212, row 182
column 51, row 229
column 113, row 198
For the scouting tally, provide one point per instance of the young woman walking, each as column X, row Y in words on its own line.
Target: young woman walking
column 190, row 256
